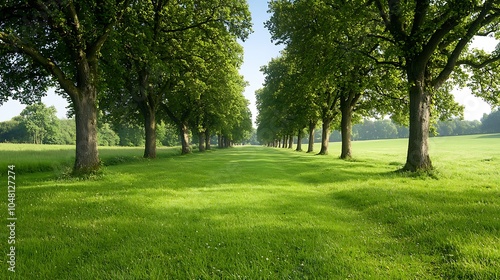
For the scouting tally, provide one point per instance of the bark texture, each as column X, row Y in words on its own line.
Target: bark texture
column 207, row 139
column 310, row 147
column 150, row 131
column 87, row 154
column 346, row 107
column 325, row 135
column 299, row 140
column 201, row 141
column 418, row 158
column 184, row 134
column 346, row 130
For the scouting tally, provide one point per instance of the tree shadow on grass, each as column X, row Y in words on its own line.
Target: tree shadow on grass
column 137, row 235
column 253, row 166
column 490, row 136
column 451, row 228
column 225, row 215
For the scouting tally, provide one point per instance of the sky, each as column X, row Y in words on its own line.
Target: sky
column 259, row 50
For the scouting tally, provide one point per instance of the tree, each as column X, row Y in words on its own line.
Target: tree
column 12, row 131
column 344, row 79
column 167, row 68
column 67, row 132
column 429, row 40
column 107, row 137
column 40, row 122
column 286, row 102
column 491, row 123
column 47, row 43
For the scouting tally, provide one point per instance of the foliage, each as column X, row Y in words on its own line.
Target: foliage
column 40, row 122
column 334, row 78
column 167, row 135
column 183, row 68
column 107, row 137
column 491, row 123
column 13, row 132
column 54, row 43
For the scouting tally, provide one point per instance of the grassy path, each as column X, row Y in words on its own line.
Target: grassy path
column 262, row 213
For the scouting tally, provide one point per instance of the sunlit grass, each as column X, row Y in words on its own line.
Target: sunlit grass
column 264, row 213
column 30, row 158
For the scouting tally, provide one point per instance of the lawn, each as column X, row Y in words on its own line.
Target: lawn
column 258, row 213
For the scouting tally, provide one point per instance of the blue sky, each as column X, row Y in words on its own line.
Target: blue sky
column 258, row 52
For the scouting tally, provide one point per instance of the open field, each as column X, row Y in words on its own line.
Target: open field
column 258, row 213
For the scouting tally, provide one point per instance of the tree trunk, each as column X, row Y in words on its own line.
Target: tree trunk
column 207, row 139
column 150, row 130
column 312, row 126
column 184, row 134
column 325, row 135
column 290, row 142
column 283, row 143
column 201, row 141
column 346, row 128
column 418, row 147
column 299, row 141
column 87, row 155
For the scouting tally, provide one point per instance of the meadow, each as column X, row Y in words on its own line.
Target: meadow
column 257, row 213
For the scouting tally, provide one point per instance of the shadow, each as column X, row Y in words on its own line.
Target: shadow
column 447, row 226
column 107, row 230
column 490, row 136
column 253, row 213
column 256, row 166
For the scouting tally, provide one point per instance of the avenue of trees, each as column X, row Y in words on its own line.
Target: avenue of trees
column 346, row 60
column 130, row 63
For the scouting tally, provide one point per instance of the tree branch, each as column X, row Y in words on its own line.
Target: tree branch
column 396, row 23
column 435, row 40
column 170, row 114
column 95, row 47
column 392, row 63
column 381, row 38
column 16, row 44
column 472, row 29
column 382, row 13
column 420, row 12
column 479, row 65
column 57, row 26
column 195, row 25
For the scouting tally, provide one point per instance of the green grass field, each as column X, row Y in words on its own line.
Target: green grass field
column 257, row 213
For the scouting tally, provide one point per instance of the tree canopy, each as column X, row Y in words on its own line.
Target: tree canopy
column 130, row 60
column 400, row 58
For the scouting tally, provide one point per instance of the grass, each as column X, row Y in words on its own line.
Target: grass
column 31, row 158
column 263, row 213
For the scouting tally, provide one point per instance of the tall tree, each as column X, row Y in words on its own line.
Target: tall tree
column 40, row 122
column 45, row 43
column 430, row 40
column 168, row 67
column 333, row 62
column 287, row 99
